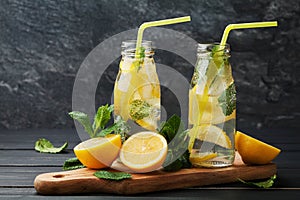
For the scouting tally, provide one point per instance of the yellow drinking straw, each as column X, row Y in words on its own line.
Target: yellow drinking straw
column 156, row 23
column 244, row 25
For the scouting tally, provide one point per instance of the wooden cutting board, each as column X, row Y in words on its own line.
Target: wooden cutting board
column 83, row 180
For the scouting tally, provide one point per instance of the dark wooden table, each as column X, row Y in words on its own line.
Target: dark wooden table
column 20, row 163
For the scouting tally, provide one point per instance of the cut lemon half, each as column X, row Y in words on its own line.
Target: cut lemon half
column 254, row 151
column 144, row 151
column 98, row 152
column 209, row 133
column 200, row 157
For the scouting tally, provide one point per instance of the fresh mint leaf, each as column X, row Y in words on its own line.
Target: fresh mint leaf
column 72, row 163
column 142, row 52
column 119, row 127
column 107, row 131
column 264, row 184
column 227, row 100
column 102, row 117
column 171, row 127
column 45, row 146
column 177, row 137
column 84, row 120
column 112, row 175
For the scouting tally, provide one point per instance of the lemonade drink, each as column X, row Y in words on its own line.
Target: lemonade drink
column 137, row 88
column 212, row 108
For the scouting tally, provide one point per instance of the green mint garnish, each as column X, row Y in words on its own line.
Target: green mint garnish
column 139, row 109
column 140, row 59
column 227, row 100
column 120, row 126
column 142, row 53
column 116, row 176
column 72, row 163
column 264, row 184
column 45, row 146
column 176, row 135
column 84, row 120
column 101, row 118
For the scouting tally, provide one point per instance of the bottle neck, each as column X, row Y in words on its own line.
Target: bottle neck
column 129, row 49
column 215, row 50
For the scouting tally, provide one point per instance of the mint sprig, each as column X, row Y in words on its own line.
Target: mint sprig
column 116, row 176
column 43, row 145
column 101, row 118
column 72, row 163
column 177, row 137
column 84, row 120
column 264, row 184
column 120, row 126
column 139, row 109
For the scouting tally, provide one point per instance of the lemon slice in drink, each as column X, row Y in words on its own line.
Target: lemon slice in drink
column 144, row 106
column 206, row 110
column 200, row 157
column 148, row 123
column 209, row 133
column 144, row 151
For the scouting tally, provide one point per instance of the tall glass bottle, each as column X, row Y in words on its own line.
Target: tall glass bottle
column 212, row 108
column 137, row 88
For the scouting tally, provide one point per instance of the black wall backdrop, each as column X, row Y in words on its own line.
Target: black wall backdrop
column 43, row 43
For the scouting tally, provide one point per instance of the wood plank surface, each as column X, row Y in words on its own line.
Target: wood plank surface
column 12, row 139
column 25, row 139
column 187, row 193
column 20, row 164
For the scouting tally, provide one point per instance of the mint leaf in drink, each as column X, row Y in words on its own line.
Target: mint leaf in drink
column 116, row 176
column 45, row 146
column 142, row 52
column 227, row 100
column 139, row 109
column 119, row 127
column 84, row 120
column 102, row 117
column 72, row 163
column 264, row 184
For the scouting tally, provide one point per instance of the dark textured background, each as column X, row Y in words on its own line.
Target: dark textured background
column 43, row 43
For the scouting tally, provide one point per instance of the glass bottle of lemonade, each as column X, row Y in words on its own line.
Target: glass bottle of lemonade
column 137, row 88
column 212, row 108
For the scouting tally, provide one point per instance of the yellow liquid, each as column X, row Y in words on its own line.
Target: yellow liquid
column 138, row 84
column 211, row 131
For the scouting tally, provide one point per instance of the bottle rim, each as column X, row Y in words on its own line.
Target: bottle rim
column 209, row 47
column 132, row 43
column 129, row 47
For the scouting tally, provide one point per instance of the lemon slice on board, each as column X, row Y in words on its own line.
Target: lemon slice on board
column 98, row 152
column 144, row 151
column 254, row 151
